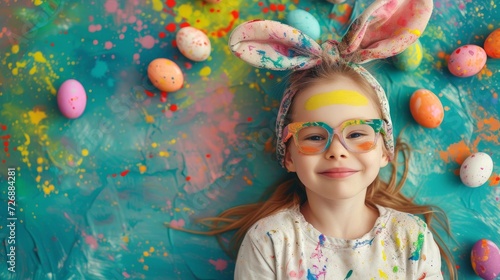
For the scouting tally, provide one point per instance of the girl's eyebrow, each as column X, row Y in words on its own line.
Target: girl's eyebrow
column 340, row 97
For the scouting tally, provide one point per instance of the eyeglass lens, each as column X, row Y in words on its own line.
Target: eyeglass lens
column 356, row 138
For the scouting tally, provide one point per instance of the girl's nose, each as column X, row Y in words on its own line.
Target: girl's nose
column 336, row 149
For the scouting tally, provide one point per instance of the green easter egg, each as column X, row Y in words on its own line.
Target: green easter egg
column 410, row 58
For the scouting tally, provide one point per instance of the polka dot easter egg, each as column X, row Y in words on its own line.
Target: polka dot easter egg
column 485, row 259
column 165, row 75
column 426, row 108
column 467, row 61
column 492, row 44
column 476, row 170
column 71, row 99
column 193, row 43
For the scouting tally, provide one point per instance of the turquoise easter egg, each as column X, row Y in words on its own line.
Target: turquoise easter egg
column 410, row 58
column 305, row 22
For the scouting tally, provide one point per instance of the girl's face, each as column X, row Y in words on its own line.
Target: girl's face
column 335, row 173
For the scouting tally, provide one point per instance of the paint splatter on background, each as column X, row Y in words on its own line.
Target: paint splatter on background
column 94, row 193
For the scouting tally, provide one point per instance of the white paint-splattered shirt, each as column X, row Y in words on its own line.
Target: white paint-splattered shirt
column 286, row 246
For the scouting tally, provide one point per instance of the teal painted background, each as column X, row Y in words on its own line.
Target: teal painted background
column 93, row 193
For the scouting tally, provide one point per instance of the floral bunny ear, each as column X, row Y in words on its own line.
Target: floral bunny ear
column 384, row 29
column 274, row 45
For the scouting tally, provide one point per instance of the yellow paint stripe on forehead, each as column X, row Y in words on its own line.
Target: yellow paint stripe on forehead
column 336, row 97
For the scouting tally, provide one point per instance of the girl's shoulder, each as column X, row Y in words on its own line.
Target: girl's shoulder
column 401, row 221
column 282, row 221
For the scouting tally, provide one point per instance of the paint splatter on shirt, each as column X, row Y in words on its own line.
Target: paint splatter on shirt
column 286, row 246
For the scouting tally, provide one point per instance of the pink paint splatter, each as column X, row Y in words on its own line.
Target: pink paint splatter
column 108, row 45
column 111, row 6
column 94, row 28
column 147, row 41
column 177, row 223
column 95, row 42
column 219, row 264
column 91, row 241
column 125, row 274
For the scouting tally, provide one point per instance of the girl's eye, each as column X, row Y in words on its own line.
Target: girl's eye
column 355, row 135
column 315, row 138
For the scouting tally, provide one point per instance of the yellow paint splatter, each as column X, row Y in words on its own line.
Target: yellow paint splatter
column 36, row 116
column 37, row 2
column 47, row 189
column 151, row 249
column 38, row 56
column 125, row 239
column 146, row 267
column 164, row 154
column 154, row 145
column 32, row 70
column 149, row 118
column 146, row 254
column 39, row 160
column 15, row 49
column 185, row 11
column 382, row 274
column 85, row 152
column 157, row 5
column 205, row 71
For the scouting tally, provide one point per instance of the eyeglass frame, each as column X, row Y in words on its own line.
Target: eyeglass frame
column 378, row 126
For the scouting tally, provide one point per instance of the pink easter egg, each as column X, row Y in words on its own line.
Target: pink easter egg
column 71, row 99
column 485, row 259
column 467, row 61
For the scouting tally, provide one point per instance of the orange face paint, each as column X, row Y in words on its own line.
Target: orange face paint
column 309, row 150
column 365, row 146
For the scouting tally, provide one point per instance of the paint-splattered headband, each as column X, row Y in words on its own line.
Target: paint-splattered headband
column 384, row 29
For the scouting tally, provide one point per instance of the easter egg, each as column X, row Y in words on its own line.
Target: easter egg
column 485, row 259
column 193, row 43
column 476, row 170
column 71, row 99
column 304, row 22
column 165, row 74
column 467, row 61
column 410, row 58
column 426, row 108
column 492, row 44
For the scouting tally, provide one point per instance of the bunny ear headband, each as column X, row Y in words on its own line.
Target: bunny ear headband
column 384, row 29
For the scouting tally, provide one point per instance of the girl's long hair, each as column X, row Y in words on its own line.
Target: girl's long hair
column 291, row 192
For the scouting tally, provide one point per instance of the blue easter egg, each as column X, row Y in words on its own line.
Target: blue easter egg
column 304, row 22
column 410, row 58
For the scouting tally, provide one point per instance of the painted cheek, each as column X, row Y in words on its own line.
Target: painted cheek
column 365, row 146
column 309, row 150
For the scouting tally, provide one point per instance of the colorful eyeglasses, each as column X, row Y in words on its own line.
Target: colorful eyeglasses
column 358, row 136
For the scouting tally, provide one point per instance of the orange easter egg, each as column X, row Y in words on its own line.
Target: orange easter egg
column 492, row 44
column 426, row 108
column 165, row 74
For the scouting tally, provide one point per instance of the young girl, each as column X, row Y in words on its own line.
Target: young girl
column 337, row 219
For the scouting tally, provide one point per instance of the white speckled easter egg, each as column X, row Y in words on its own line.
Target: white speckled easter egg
column 71, row 99
column 193, row 43
column 304, row 22
column 467, row 61
column 165, row 75
column 485, row 259
column 410, row 58
column 476, row 170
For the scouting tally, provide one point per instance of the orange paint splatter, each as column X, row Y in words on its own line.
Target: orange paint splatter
column 457, row 152
column 494, row 180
